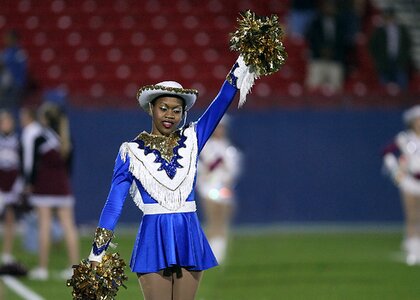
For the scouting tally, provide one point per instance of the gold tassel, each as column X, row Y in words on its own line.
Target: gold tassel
column 259, row 41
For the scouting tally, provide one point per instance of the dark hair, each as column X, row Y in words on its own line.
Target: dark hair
column 52, row 114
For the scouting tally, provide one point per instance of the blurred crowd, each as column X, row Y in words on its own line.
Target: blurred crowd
column 331, row 30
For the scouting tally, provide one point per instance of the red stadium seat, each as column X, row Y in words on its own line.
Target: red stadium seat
column 109, row 47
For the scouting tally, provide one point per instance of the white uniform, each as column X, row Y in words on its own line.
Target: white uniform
column 402, row 161
column 407, row 161
column 218, row 170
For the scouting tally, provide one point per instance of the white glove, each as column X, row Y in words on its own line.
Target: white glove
column 241, row 77
column 97, row 258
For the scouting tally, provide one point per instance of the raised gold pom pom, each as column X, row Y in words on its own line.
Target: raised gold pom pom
column 259, row 41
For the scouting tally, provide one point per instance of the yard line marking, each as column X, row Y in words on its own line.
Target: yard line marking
column 20, row 289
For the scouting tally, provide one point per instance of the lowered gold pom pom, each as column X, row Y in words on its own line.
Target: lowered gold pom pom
column 258, row 40
column 100, row 283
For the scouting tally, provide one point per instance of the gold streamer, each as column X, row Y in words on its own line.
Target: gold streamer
column 99, row 283
column 259, row 41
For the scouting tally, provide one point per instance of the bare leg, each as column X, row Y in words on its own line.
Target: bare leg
column 412, row 228
column 44, row 221
column 9, row 230
column 218, row 217
column 218, row 220
column 186, row 286
column 412, row 217
column 211, row 218
column 155, row 286
column 66, row 217
column 416, row 216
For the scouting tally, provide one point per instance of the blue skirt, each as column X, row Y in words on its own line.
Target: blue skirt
column 166, row 240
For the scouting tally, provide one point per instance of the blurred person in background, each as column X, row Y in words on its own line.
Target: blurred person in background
column 11, row 187
column 218, row 169
column 46, row 149
column 300, row 15
column 353, row 14
column 390, row 47
column 59, row 97
column 326, row 37
column 402, row 162
column 13, row 68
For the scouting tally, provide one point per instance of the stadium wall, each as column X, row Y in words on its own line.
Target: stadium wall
column 299, row 165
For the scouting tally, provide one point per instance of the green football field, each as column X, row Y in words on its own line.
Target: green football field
column 278, row 265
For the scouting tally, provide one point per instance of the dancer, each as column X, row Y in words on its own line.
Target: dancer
column 159, row 170
column 10, row 184
column 402, row 161
column 46, row 149
column 218, row 170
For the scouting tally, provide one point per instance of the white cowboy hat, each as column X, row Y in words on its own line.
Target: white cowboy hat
column 411, row 113
column 148, row 93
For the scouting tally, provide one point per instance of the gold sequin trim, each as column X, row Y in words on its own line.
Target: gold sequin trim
column 102, row 236
column 164, row 144
column 165, row 88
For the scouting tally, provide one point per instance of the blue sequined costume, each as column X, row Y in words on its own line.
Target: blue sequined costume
column 173, row 238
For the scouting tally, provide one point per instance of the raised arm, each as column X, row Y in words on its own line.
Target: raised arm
column 211, row 117
column 261, row 52
column 239, row 78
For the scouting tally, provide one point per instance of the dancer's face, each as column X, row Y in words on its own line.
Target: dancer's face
column 167, row 113
column 7, row 123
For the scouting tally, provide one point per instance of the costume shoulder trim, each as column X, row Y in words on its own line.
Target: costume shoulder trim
column 169, row 183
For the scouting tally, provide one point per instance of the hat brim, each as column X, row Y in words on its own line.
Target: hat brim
column 148, row 93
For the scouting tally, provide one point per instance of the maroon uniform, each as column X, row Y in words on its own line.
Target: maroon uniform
column 44, row 167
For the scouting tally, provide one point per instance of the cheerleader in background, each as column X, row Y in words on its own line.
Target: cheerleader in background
column 402, row 161
column 46, row 152
column 219, row 167
column 10, row 184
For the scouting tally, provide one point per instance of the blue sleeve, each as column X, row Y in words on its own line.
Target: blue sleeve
column 211, row 117
column 121, row 182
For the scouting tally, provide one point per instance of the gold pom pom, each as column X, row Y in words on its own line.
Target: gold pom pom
column 258, row 40
column 100, row 283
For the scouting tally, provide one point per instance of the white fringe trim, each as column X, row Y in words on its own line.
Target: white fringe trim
column 136, row 196
column 245, row 88
column 170, row 193
column 245, row 80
